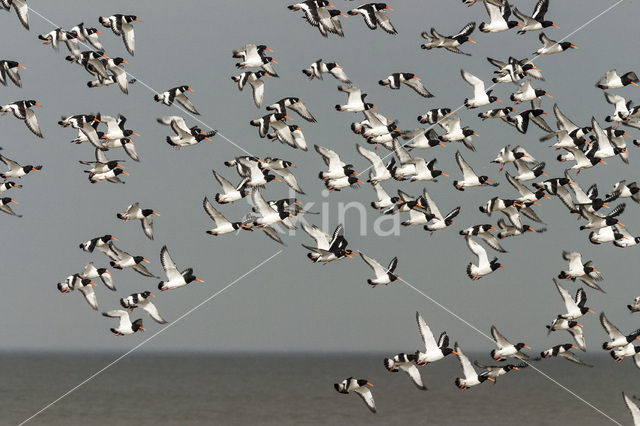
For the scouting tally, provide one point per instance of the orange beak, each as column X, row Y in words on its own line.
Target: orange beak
column 387, row 7
column 499, row 100
column 146, row 261
column 20, row 66
column 190, row 89
column 444, row 174
column 114, row 239
column 554, row 25
column 14, row 202
column 199, row 280
column 274, row 61
column 155, row 214
column 125, row 173
column 546, row 94
column 38, row 105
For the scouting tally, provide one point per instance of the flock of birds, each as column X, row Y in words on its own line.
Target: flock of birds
column 583, row 147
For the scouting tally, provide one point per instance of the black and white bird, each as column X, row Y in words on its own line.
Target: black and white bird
column 383, row 275
column 534, row 115
column 471, row 376
column 505, row 348
column 15, row 170
column 336, row 167
column 587, row 273
column 405, row 362
column 254, row 80
column 484, row 266
column 495, row 371
column 383, row 199
column 6, row 208
column 395, row 80
column 86, row 124
column 4, row 187
column 318, row 68
column 575, row 307
column 514, row 70
column 550, row 47
column 85, row 285
column 125, row 326
column 536, row 21
column 617, row 339
column 626, row 351
column 175, row 278
column 469, row 177
column 507, row 155
column 434, row 115
column 436, row 40
column 484, row 232
column 499, row 12
column 481, row 97
column 100, row 243
column 141, row 300
column 145, row 216
column 565, row 352
column 223, row 226
column 355, row 100
column 328, row 247
column 359, row 386
column 121, row 26
column 229, row 192
column 177, row 94
column 526, row 93
column 293, row 103
column 92, row 35
column 22, row 111
column 375, row 14
column 455, row 132
column 90, row 271
column 573, row 327
column 10, row 69
column 120, row 259
column 433, row 351
column 611, row 80
column 437, row 221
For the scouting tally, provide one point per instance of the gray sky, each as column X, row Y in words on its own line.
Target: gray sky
column 290, row 303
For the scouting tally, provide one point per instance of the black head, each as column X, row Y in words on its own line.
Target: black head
column 137, row 325
column 566, row 346
column 112, row 164
column 567, row 45
column 519, row 346
column 495, row 264
column 102, row 271
column 629, row 78
column 284, row 214
column 147, row 212
column 468, row 132
column 11, row 64
column 540, row 92
column 118, row 171
column 184, row 88
column 130, row 18
column 6, row 200
column 395, row 199
column 138, row 259
column 547, row 24
column 269, row 177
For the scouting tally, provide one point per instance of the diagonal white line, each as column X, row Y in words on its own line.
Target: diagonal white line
column 162, row 330
column 536, row 56
column 528, row 363
column 154, row 91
